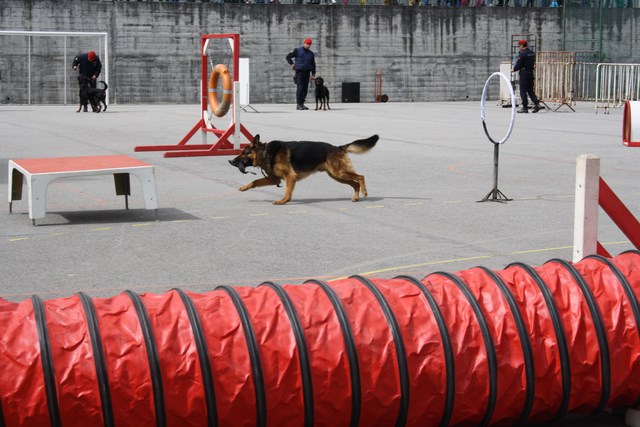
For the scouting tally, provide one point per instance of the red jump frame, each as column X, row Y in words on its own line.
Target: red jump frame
column 223, row 147
column 592, row 193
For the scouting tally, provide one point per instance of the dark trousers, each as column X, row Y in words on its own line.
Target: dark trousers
column 302, row 83
column 526, row 88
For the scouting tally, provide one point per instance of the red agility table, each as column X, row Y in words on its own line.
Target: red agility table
column 41, row 172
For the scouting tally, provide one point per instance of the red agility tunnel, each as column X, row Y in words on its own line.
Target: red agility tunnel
column 478, row 347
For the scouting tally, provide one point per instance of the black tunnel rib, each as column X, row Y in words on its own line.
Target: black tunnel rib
column 254, row 355
column 525, row 342
column 563, row 349
column 351, row 349
column 47, row 361
column 447, row 349
column 303, row 352
column 203, row 357
column 492, row 360
column 401, row 353
column 98, row 358
column 152, row 358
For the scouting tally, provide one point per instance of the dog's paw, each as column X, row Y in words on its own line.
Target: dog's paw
column 245, row 187
column 280, row 202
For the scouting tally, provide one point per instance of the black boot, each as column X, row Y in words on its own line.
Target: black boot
column 299, row 107
column 523, row 110
column 536, row 108
column 85, row 109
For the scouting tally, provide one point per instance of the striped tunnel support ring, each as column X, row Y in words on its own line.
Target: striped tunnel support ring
column 478, row 347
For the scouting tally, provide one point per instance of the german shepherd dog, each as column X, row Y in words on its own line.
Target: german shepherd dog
column 292, row 161
column 94, row 96
column 322, row 94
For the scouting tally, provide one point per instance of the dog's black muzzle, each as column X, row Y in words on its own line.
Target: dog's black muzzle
column 241, row 163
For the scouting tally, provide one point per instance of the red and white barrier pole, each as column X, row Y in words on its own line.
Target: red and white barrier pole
column 477, row 347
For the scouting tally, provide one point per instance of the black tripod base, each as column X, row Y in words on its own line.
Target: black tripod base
column 495, row 195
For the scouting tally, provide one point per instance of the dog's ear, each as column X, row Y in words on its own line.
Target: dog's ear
column 256, row 140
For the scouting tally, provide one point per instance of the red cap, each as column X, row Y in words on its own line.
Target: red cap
column 91, row 56
column 522, row 42
column 308, row 41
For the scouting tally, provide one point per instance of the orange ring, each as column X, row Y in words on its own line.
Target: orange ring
column 227, row 90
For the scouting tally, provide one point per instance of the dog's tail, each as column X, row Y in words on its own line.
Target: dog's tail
column 105, row 84
column 361, row 145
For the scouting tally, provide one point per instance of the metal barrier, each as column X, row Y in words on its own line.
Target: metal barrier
column 615, row 84
column 584, row 75
column 554, row 77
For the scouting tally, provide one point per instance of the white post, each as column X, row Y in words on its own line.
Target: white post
column 235, row 111
column 585, row 224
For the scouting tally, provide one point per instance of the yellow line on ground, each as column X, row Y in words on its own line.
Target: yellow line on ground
column 101, row 229
column 220, row 217
column 375, row 206
column 413, row 204
column 422, row 264
column 142, row 224
column 540, row 250
column 17, row 239
column 449, row 261
column 259, row 214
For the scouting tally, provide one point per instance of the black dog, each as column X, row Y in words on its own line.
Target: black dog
column 90, row 95
column 322, row 94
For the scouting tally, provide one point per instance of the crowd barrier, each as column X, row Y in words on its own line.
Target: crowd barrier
column 616, row 84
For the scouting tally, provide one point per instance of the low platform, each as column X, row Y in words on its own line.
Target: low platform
column 40, row 172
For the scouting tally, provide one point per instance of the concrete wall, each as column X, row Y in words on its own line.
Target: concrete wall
column 425, row 54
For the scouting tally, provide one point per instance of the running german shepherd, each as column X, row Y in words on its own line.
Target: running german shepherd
column 295, row 160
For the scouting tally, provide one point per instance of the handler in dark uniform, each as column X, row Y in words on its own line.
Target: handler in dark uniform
column 90, row 67
column 305, row 64
column 526, row 64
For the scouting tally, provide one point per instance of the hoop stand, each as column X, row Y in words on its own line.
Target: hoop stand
column 495, row 195
column 222, row 147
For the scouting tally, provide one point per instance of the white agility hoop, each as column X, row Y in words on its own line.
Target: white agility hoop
column 513, row 108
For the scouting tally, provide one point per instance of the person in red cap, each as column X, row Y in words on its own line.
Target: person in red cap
column 303, row 62
column 89, row 67
column 526, row 65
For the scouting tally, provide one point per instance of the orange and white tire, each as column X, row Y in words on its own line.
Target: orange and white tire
column 220, row 108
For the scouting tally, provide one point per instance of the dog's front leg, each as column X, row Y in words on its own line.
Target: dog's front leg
column 289, row 185
column 262, row 182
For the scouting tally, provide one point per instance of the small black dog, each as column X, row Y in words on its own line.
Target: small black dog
column 322, row 94
column 94, row 96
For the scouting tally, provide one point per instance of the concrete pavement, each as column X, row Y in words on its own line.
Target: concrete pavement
column 425, row 177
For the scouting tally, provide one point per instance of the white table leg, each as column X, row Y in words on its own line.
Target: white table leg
column 148, row 180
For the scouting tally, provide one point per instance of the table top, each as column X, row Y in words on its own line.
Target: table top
column 78, row 164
